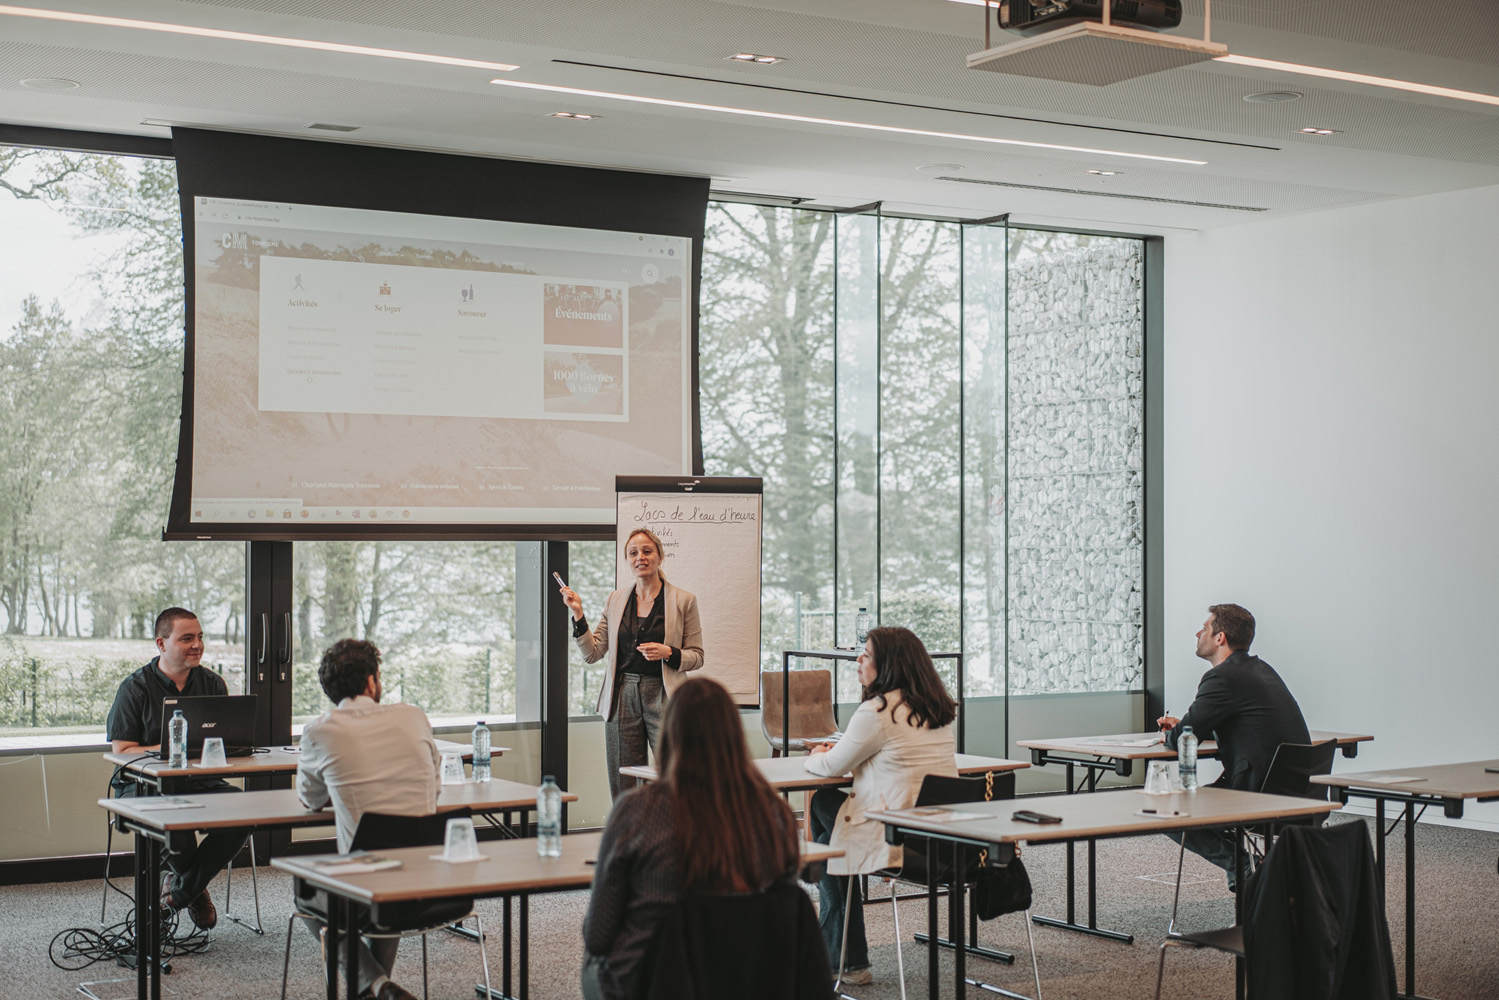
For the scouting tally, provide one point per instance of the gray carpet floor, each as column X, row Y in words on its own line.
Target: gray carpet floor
column 1457, row 940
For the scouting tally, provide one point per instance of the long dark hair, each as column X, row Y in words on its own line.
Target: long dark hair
column 901, row 663
column 733, row 833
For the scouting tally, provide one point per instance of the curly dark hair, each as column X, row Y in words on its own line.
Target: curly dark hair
column 1236, row 624
column 347, row 667
column 901, row 663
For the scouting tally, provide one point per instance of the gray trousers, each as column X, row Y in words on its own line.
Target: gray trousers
column 377, row 956
column 636, row 727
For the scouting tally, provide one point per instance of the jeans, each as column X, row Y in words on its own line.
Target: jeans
column 635, row 728
column 1216, row 846
column 195, row 863
column 833, row 891
column 377, row 956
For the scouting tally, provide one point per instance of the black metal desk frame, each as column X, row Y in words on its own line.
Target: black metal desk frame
column 1452, row 808
column 1000, row 855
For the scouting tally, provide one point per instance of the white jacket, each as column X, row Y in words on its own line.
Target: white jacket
column 888, row 758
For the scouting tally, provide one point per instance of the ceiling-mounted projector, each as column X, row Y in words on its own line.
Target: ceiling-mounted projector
column 1030, row 17
column 1095, row 42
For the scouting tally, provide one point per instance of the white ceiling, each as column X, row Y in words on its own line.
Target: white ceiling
column 883, row 62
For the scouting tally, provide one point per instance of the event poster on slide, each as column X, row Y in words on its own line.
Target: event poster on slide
column 356, row 366
column 711, row 544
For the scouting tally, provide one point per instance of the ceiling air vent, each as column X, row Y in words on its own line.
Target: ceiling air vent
column 329, row 127
column 1103, row 194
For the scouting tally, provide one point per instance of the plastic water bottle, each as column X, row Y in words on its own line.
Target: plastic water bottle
column 549, row 818
column 1186, row 754
column 480, row 742
column 178, row 733
column 861, row 626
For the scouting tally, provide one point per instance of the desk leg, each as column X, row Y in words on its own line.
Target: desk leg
column 1239, row 906
column 153, row 917
column 525, row 946
column 144, row 941
column 955, row 925
column 507, row 949
column 330, row 947
column 351, row 950
column 1410, row 904
column 1071, row 924
column 934, row 985
column 1379, row 834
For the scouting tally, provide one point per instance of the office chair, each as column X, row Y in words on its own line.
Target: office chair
column 812, row 719
column 1289, row 773
column 383, row 832
column 1316, row 925
column 937, row 790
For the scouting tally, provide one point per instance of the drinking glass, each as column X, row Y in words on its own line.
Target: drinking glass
column 1158, row 778
column 460, row 844
column 452, row 769
column 213, row 752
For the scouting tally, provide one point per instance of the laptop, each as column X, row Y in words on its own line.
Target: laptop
column 230, row 717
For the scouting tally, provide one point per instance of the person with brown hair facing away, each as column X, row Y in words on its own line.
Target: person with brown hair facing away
column 649, row 636
column 900, row 733
column 711, row 825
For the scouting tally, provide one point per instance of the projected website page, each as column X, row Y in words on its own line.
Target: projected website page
column 355, row 366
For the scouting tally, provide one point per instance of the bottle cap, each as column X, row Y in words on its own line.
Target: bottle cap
column 547, row 777
column 481, row 722
column 1186, row 730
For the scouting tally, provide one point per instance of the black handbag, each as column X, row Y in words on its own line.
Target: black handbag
column 998, row 891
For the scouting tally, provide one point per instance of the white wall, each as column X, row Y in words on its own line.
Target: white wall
column 1332, row 463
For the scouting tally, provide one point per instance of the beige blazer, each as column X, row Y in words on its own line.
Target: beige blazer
column 683, row 632
column 888, row 758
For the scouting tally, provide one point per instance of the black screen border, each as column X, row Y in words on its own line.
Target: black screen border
column 217, row 164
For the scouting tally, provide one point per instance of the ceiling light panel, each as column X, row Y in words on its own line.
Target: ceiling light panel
column 837, row 123
column 227, row 35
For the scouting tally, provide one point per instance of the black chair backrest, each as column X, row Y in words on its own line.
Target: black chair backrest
column 383, row 831
column 1293, row 765
column 767, row 942
column 940, row 790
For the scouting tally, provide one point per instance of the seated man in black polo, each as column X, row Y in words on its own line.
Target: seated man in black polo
column 1246, row 707
column 134, row 726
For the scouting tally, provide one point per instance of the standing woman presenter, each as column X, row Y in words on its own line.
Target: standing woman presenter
column 649, row 636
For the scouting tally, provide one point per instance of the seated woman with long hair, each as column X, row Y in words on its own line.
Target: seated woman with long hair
column 901, row 732
column 711, row 825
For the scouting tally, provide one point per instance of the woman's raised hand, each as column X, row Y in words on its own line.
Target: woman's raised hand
column 572, row 600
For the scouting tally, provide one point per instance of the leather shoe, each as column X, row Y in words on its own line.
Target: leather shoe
column 203, row 912
column 393, row 991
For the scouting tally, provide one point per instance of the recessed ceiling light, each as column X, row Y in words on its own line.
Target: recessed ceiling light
column 244, row 36
column 50, row 83
column 751, row 57
column 1273, row 97
column 1319, row 131
column 839, row 123
column 576, row 116
column 1105, row 173
column 940, row 168
column 1373, row 81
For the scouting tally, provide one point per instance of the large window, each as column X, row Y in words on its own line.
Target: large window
column 90, row 391
column 949, row 421
column 442, row 613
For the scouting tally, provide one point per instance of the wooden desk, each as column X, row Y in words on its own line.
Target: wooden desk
column 1099, row 754
column 790, row 774
column 510, row 869
column 1447, row 785
column 275, row 809
column 150, row 771
column 1084, row 817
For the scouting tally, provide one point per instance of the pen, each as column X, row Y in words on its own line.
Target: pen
column 558, row 577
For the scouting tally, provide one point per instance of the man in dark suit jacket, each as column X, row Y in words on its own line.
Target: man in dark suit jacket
column 1246, row 707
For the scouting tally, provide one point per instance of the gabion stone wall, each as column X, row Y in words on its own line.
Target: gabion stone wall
column 1076, row 471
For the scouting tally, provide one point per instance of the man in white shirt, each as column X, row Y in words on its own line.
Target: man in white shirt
column 362, row 757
